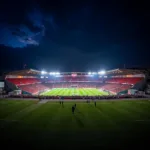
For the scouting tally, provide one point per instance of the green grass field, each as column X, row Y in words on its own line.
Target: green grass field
column 75, row 91
column 111, row 124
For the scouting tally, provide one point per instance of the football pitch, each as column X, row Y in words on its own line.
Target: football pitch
column 111, row 124
column 75, row 92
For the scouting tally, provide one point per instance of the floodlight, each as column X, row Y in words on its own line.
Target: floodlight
column 42, row 76
column 57, row 76
column 43, row 72
column 89, row 73
column 93, row 72
column 102, row 72
column 57, row 73
column 52, row 73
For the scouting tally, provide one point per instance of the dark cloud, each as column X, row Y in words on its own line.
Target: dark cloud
column 23, row 34
column 76, row 35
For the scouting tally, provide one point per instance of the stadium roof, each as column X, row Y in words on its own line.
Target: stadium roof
column 33, row 72
column 26, row 72
column 125, row 72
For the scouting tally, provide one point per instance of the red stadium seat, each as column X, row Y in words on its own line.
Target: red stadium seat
column 33, row 88
column 23, row 81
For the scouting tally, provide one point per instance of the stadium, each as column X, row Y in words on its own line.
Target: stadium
column 74, row 74
column 105, row 109
column 113, row 82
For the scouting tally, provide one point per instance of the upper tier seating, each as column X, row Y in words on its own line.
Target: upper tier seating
column 124, row 80
column 132, row 80
column 23, row 81
column 73, row 79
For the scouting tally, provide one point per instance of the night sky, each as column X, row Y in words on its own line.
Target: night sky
column 74, row 35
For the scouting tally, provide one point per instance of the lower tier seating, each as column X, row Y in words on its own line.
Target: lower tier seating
column 115, row 88
column 33, row 88
column 71, row 85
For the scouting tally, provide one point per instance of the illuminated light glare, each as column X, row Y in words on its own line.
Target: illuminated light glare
column 102, row 72
column 43, row 72
column 52, row 73
column 57, row 76
column 57, row 73
column 42, row 77
column 93, row 72
column 89, row 73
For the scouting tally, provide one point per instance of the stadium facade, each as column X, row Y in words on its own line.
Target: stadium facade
column 117, row 81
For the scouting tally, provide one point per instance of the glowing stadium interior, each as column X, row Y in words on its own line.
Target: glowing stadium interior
column 35, row 82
